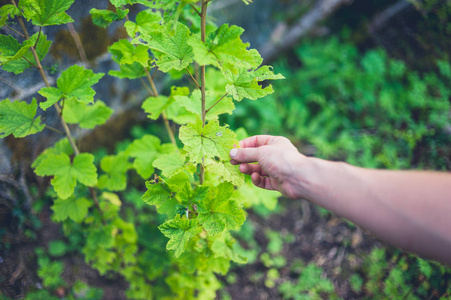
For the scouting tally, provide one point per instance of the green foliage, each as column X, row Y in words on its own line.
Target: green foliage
column 175, row 246
column 310, row 285
column 19, row 118
column 370, row 110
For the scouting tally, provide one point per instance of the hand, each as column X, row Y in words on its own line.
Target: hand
column 278, row 163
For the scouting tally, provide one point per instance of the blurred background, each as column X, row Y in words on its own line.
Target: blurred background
column 367, row 82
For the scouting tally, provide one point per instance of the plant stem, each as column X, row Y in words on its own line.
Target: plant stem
column 78, row 43
column 54, row 129
column 203, row 26
column 194, row 79
column 58, row 110
column 163, row 114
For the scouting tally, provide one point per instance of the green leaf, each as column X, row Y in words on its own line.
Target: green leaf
column 86, row 115
column 157, row 194
column 221, row 210
column 7, row 11
column 104, row 17
column 245, row 84
column 126, row 53
column 145, row 151
column 116, row 167
column 62, row 146
column 195, row 198
column 253, row 196
column 66, row 174
column 170, row 164
column 73, row 208
column 11, row 49
column 223, row 48
column 170, row 47
column 146, row 21
column 74, row 84
column 23, row 58
column 223, row 246
column 18, row 118
column 210, row 141
column 132, row 71
column 179, row 230
column 120, row 3
column 225, row 171
column 175, row 112
column 194, row 104
column 154, row 106
column 47, row 12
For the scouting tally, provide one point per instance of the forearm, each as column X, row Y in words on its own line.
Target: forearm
column 411, row 210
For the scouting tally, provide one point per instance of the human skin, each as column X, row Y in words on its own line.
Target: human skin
column 409, row 209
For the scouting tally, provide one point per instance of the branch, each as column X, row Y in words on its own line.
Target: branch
column 78, row 43
column 380, row 20
column 292, row 35
column 194, row 79
column 206, row 112
column 163, row 114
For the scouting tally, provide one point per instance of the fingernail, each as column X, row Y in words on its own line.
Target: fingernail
column 233, row 152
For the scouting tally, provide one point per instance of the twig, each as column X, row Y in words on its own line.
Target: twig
column 163, row 114
column 197, row 11
column 194, row 79
column 19, row 33
column 206, row 112
column 147, row 88
column 78, row 43
column 322, row 10
column 54, row 129
column 203, row 27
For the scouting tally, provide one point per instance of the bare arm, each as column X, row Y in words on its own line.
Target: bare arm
column 409, row 209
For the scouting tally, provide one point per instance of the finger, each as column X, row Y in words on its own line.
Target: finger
column 262, row 182
column 255, row 141
column 252, row 168
column 244, row 155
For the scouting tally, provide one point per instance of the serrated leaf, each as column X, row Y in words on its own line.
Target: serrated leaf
column 154, row 106
column 223, row 48
column 145, row 151
column 179, row 230
column 73, row 208
column 145, row 22
column 120, row 3
column 224, row 247
column 7, row 11
column 194, row 198
column 11, row 49
column 104, row 17
column 210, row 141
column 171, row 48
column 221, row 211
column 62, row 146
column 115, row 167
column 126, row 53
column 86, row 115
column 157, row 194
column 253, row 196
column 47, row 12
column 170, row 164
column 21, row 61
column 245, row 84
column 74, row 84
column 132, row 71
column 225, row 171
column 19, row 118
column 194, row 104
column 66, row 174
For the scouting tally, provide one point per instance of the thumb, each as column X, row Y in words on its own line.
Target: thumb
column 244, row 155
